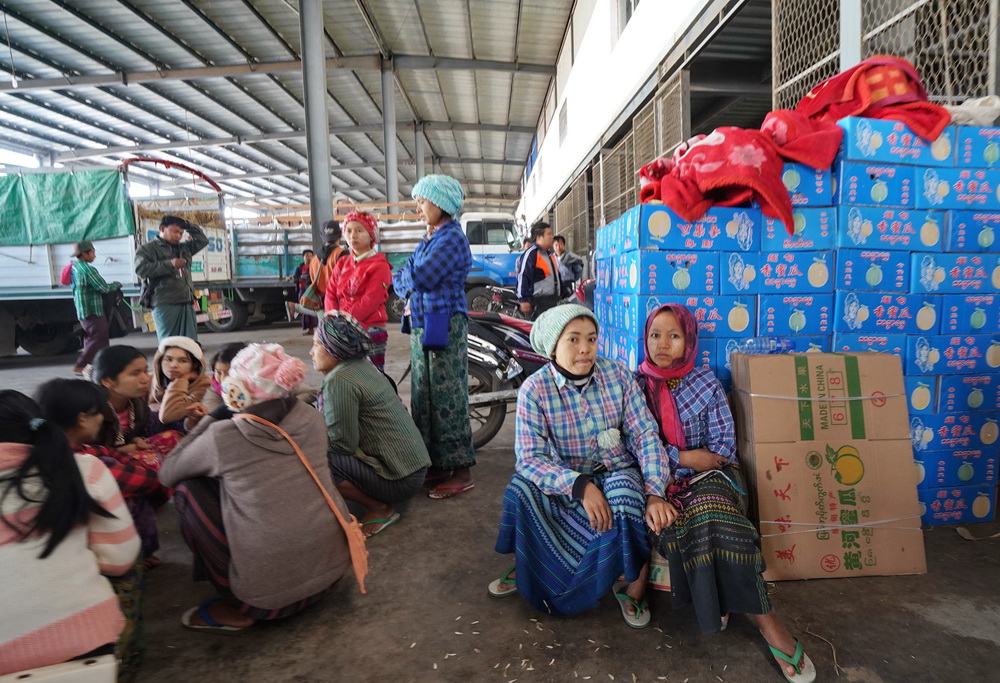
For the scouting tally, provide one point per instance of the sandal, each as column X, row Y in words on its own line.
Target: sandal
column 210, row 625
column 725, row 622
column 641, row 617
column 805, row 672
column 494, row 587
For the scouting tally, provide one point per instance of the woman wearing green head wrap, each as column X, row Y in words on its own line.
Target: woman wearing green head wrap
column 376, row 454
column 433, row 281
column 591, row 474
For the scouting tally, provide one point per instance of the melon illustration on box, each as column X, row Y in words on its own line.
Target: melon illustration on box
column 930, row 233
column 818, row 274
column 975, row 398
column 874, row 275
column 986, row 237
column 978, row 319
column 791, row 178
column 659, row 225
column 941, row 148
column 993, row 354
column 981, row 506
column 966, row 471
column 682, row 278
column 995, row 277
column 738, row 318
column 880, row 191
column 920, row 398
column 921, row 471
column 991, row 154
column 989, row 431
column 846, row 464
column 797, row 320
column 926, row 317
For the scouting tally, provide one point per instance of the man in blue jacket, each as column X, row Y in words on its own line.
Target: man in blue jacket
column 166, row 263
column 538, row 283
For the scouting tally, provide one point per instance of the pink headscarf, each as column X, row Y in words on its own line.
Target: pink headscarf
column 367, row 220
column 657, row 386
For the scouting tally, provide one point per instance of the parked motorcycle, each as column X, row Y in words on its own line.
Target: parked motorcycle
column 500, row 358
column 504, row 301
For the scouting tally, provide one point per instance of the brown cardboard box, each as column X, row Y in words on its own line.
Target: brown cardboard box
column 824, row 441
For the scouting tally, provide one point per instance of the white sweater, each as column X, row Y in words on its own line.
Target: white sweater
column 62, row 607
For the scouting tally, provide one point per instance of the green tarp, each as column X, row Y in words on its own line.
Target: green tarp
column 48, row 208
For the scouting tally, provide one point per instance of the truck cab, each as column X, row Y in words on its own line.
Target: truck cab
column 495, row 245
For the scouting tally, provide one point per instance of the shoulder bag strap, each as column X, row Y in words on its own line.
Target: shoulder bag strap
column 355, row 537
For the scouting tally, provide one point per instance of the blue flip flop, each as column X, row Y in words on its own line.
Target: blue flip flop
column 210, row 625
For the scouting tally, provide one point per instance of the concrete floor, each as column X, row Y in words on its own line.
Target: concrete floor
column 427, row 615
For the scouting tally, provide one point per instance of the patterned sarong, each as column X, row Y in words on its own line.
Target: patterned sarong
column 563, row 566
column 714, row 552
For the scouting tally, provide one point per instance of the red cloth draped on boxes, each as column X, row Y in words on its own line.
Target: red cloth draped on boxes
column 880, row 87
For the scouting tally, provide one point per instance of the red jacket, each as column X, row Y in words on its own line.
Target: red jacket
column 360, row 288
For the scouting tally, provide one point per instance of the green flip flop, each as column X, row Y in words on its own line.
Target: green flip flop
column 805, row 672
column 386, row 523
column 494, row 587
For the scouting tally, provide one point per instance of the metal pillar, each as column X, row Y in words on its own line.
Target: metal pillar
column 850, row 33
column 993, row 86
column 418, row 149
column 389, row 133
column 317, row 121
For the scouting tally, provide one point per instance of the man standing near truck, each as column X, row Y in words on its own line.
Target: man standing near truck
column 570, row 265
column 89, row 289
column 166, row 263
column 538, row 282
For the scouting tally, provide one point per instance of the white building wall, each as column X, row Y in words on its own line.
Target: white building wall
column 607, row 72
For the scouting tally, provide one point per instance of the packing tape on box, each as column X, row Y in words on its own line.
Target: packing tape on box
column 814, row 528
column 825, row 399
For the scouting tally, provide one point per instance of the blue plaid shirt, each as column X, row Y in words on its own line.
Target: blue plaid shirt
column 434, row 276
column 704, row 412
column 557, row 428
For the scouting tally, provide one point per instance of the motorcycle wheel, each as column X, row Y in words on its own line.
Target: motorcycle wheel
column 486, row 420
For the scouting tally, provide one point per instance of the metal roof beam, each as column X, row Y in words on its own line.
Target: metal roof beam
column 441, row 63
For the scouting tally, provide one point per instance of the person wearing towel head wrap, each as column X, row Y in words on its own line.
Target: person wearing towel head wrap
column 433, row 281
column 359, row 283
column 233, row 481
column 591, row 467
column 377, row 456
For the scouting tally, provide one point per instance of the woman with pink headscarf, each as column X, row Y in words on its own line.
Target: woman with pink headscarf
column 359, row 285
column 235, row 475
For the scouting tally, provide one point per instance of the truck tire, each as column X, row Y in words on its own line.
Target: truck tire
column 48, row 339
column 236, row 320
column 478, row 299
column 486, row 420
column 394, row 306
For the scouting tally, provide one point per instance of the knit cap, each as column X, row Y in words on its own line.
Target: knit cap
column 186, row 343
column 259, row 373
column 442, row 191
column 550, row 325
column 343, row 337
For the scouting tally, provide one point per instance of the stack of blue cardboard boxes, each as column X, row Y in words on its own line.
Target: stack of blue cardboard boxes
column 894, row 250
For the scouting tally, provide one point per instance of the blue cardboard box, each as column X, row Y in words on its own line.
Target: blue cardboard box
column 893, row 142
column 880, row 312
column 960, row 467
column 955, row 273
column 972, row 231
column 957, row 188
column 807, row 186
column 978, row 147
column 815, row 228
column 921, row 394
column 970, row 313
column 660, row 272
column 873, row 270
column 795, row 271
column 874, row 184
column 876, row 342
column 739, row 273
column 603, row 269
column 720, row 229
column 878, row 227
column 951, row 354
column 795, row 314
column 715, row 315
column 951, row 431
column 957, row 505
column 969, row 393
column 628, row 349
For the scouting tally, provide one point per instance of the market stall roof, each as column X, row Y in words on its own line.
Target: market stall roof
column 217, row 85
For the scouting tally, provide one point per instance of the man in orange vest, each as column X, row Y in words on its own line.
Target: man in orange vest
column 538, row 281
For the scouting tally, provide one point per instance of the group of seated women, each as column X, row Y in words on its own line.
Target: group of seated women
column 609, row 465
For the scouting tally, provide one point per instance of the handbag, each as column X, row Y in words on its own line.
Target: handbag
column 435, row 330
column 352, row 529
column 146, row 293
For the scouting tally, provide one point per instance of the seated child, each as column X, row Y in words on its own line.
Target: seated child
column 220, row 369
column 179, row 382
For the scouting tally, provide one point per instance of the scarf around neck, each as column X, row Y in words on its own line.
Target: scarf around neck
column 661, row 381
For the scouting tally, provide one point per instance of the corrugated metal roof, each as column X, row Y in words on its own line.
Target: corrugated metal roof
column 216, row 84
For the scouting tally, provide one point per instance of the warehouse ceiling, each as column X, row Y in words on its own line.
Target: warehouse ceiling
column 217, row 85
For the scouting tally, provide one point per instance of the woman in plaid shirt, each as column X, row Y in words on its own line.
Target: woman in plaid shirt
column 591, row 474
column 713, row 549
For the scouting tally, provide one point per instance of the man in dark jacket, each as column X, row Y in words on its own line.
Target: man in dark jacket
column 538, row 282
column 166, row 263
column 570, row 265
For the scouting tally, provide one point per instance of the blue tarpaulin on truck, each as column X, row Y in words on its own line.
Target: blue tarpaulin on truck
column 48, row 208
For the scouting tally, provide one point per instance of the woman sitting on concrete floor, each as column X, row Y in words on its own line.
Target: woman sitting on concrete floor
column 377, row 455
column 259, row 527
column 76, row 407
column 179, row 383
column 591, row 473
column 124, row 372
column 64, row 524
column 713, row 550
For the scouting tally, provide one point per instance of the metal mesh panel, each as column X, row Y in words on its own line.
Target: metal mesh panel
column 610, row 186
column 673, row 112
column 805, row 40
column 573, row 217
column 948, row 41
column 644, row 134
